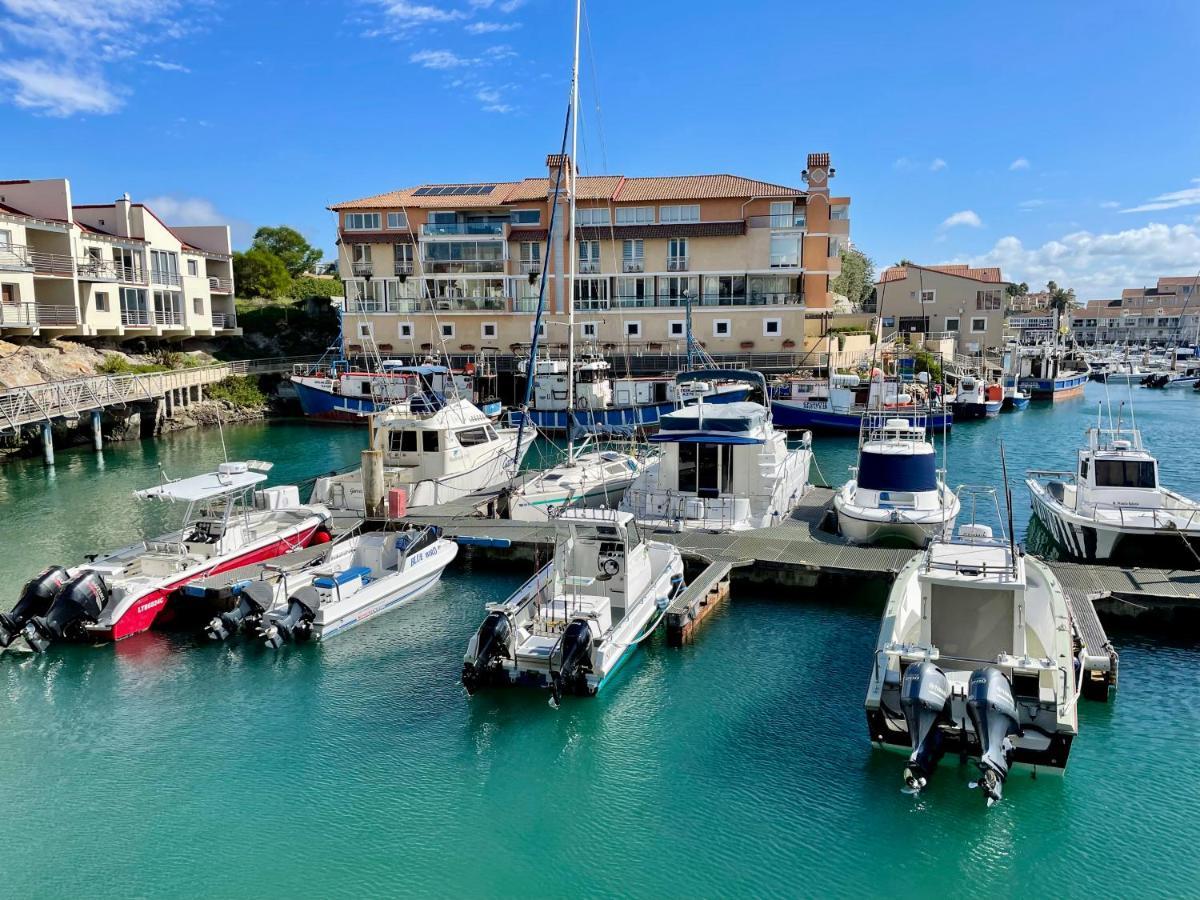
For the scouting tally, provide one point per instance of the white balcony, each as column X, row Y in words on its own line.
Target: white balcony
column 637, row 264
column 170, row 279
column 220, row 285
column 677, row 263
column 58, row 264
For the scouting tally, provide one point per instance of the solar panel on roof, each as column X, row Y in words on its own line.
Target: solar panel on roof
column 421, row 192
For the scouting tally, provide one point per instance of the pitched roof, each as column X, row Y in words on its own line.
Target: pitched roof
column 1182, row 281
column 988, row 274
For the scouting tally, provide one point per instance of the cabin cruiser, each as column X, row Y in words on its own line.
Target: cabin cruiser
column 571, row 625
column 362, row 577
column 975, row 399
column 722, row 467
column 839, row 402
column 118, row 594
column 591, row 479
column 604, row 401
column 974, row 657
column 335, row 391
column 434, row 450
column 1113, row 505
column 896, row 494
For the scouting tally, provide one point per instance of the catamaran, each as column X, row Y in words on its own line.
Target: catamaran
column 121, row 593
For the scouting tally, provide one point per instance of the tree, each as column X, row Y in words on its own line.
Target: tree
column 297, row 254
column 856, row 280
column 905, row 261
column 1060, row 300
column 259, row 273
column 1017, row 290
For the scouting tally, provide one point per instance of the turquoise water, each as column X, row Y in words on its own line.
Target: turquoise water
column 737, row 766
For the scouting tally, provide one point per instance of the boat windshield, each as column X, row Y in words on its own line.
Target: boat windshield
column 1125, row 473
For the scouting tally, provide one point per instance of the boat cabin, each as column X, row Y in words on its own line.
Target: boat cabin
column 844, row 393
column 898, row 463
column 1114, row 470
column 432, row 443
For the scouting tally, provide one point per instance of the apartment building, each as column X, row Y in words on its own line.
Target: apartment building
column 943, row 302
column 112, row 270
column 460, row 266
column 1168, row 313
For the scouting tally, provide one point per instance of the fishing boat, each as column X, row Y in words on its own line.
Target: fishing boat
column 838, row 402
column 363, row 577
column 975, row 658
column 434, row 450
column 976, row 399
column 722, row 467
column 896, row 494
column 339, row 392
column 121, row 593
column 1112, row 506
column 570, row 627
column 1050, row 371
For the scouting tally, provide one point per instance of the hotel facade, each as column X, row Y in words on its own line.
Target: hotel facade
column 460, row 266
column 110, row 270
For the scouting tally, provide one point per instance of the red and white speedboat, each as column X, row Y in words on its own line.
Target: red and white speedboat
column 227, row 524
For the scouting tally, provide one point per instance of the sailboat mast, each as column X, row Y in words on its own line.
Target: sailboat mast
column 571, row 240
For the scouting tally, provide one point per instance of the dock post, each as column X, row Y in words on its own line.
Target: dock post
column 97, row 432
column 372, row 482
column 48, row 443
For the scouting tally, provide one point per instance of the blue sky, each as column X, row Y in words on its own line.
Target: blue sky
column 1058, row 140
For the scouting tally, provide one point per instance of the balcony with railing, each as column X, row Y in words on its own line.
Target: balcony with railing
column 589, row 267
column 464, row 266
column 57, row 264
column 531, row 267
column 785, row 260
column 796, row 221
column 677, row 263
column 168, row 318
column 135, row 318
column 52, row 316
column 361, row 269
column 403, row 267
column 461, row 229
column 14, row 258
column 94, row 268
column 223, row 320
column 635, row 264
column 161, row 276
column 34, row 315
column 220, row 285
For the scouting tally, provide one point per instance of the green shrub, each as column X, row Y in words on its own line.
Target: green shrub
column 239, row 390
column 304, row 287
column 115, row 364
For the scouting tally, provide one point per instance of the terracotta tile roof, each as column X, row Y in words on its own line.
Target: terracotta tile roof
column 818, row 159
column 700, row 187
column 587, row 187
column 408, row 197
column 989, row 274
column 1183, row 281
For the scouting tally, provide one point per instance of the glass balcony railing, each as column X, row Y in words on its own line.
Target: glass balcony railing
column 445, row 229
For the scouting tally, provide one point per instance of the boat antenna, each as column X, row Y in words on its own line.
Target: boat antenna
column 221, row 432
column 571, row 185
column 1012, row 545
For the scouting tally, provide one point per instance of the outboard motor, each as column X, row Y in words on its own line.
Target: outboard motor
column 576, row 661
column 35, row 600
column 77, row 603
column 925, row 700
column 994, row 715
column 491, row 642
column 296, row 623
column 253, row 601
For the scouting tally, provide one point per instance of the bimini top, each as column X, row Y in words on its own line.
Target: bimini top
column 230, row 478
column 425, row 371
column 741, row 422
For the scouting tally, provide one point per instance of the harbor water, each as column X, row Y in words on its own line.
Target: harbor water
column 737, row 766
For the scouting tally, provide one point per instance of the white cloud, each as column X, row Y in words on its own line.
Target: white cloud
column 967, row 217
column 1018, row 165
column 1186, row 197
column 57, row 91
column 403, row 14
column 1031, row 204
column 491, row 27
column 185, row 210
column 499, row 52
column 902, row 164
column 1110, row 204
column 439, row 59
column 937, row 165
column 167, row 66
column 493, row 100
column 511, row 5
column 1100, row 265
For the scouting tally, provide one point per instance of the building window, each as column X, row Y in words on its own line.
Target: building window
column 447, row 329
column 528, row 217
column 633, row 329
column 839, row 213
column 671, row 214
column 362, row 222
column 397, row 220
column 772, row 327
column 677, row 255
column 531, row 254
column 889, row 321
column 785, row 251
column 101, row 301
column 635, row 215
column 635, row 291
column 402, row 256
column 676, row 289
column 406, row 329
column 595, row 215
column 835, row 247
column 198, row 306
column 677, row 328
column 365, row 330
column 361, row 253
column 721, row 327
column 952, row 323
column 587, row 329
column 589, row 256
column 978, row 324
column 633, row 256
column 782, row 215
column 541, row 329
column 928, row 297
column 488, row 331
column 989, row 299
column 193, row 269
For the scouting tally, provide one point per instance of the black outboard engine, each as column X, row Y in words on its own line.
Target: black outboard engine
column 576, row 661
column 296, row 623
column 254, row 600
column 77, row 603
column 35, row 600
column 491, row 643
column 925, row 700
column 994, row 716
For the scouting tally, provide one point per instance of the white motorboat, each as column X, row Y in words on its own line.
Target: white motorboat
column 976, row 399
column 577, row 620
column 362, row 577
column 118, row 594
column 1113, row 505
column 723, row 467
column 435, row 451
column 975, row 657
column 896, row 494
column 592, row 479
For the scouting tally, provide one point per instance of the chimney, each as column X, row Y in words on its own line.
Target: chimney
column 818, row 173
column 120, row 223
column 554, row 162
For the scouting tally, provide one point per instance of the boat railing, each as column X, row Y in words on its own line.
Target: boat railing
column 1166, row 517
column 1065, row 475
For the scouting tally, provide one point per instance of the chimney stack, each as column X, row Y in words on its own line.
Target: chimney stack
column 121, row 225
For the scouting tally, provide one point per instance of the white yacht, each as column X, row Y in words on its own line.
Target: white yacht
column 896, row 494
column 362, row 577
column 591, row 479
column 974, row 657
column 1113, row 505
column 722, row 467
column 435, row 450
column 573, row 623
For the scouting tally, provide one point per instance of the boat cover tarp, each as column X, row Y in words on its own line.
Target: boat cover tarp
column 741, row 418
column 897, row 472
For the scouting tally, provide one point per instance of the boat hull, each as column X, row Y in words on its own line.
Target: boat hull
column 640, row 417
column 890, row 527
column 794, row 414
column 1060, row 388
column 970, row 410
column 319, row 402
column 1015, row 404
